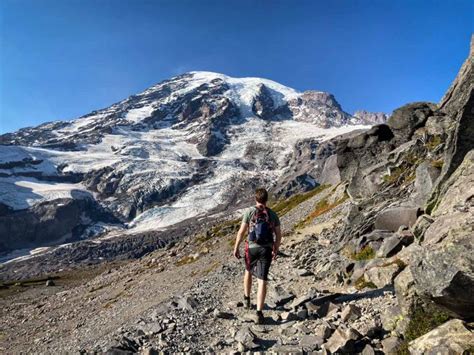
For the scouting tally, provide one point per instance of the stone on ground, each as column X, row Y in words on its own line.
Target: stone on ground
column 382, row 276
column 342, row 340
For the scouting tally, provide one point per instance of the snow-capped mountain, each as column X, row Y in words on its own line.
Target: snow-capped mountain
column 185, row 148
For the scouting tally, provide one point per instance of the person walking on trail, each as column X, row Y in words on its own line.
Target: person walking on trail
column 261, row 247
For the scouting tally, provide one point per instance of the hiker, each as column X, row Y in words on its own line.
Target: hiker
column 262, row 224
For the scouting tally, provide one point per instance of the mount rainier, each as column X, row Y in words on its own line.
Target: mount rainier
column 185, row 149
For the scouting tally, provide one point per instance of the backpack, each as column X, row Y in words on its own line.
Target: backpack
column 261, row 229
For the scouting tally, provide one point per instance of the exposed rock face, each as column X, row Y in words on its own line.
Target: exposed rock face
column 330, row 174
column 319, row 108
column 393, row 218
column 426, row 175
column 406, row 119
column 458, row 104
column 358, row 159
column 445, row 269
column 263, row 105
column 382, row 276
column 61, row 220
column 371, row 117
column 453, row 337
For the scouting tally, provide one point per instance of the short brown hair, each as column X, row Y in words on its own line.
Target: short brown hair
column 261, row 195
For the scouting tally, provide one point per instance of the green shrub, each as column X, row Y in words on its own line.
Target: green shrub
column 394, row 175
column 433, row 142
column 366, row 253
column 423, row 320
column 361, row 283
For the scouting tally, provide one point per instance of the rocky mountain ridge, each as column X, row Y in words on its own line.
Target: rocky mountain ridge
column 169, row 154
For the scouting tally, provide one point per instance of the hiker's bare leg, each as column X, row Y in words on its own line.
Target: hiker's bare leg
column 261, row 293
column 247, row 283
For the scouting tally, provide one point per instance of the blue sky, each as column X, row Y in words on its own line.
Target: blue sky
column 60, row 59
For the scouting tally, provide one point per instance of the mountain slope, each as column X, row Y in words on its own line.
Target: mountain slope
column 184, row 148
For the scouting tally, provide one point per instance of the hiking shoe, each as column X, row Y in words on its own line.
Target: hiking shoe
column 247, row 304
column 260, row 317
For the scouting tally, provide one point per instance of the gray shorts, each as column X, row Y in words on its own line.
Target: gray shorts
column 258, row 260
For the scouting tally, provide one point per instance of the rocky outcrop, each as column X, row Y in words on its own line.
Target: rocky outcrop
column 458, row 105
column 453, row 337
column 444, row 270
column 426, row 175
column 359, row 160
column 263, row 105
column 371, row 118
column 393, row 218
column 319, row 108
column 407, row 119
column 61, row 220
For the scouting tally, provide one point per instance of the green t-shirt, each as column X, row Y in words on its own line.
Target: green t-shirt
column 249, row 213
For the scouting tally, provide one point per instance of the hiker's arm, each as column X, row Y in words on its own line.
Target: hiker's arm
column 276, row 246
column 240, row 235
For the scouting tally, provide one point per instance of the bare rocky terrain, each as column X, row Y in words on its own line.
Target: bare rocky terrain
column 379, row 259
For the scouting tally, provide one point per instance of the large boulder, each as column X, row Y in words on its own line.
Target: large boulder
column 421, row 225
column 452, row 337
column 407, row 119
column 391, row 345
column 444, row 269
column 330, row 174
column 405, row 290
column 382, row 276
column 426, row 175
column 342, row 340
column 393, row 244
column 393, row 218
column 360, row 160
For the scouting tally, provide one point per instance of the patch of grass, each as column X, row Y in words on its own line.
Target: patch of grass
column 423, row 320
column 401, row 174
column 433, row 142
column 284, row 206
column 231, row 242
column 366, row 253
column 361, row 283
column 320, row 208
column 394, row 175
column 437, row 163
column 412, row 159
column 203, row 238
column 410, row 178
column 188, row 259
column 222, row 229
